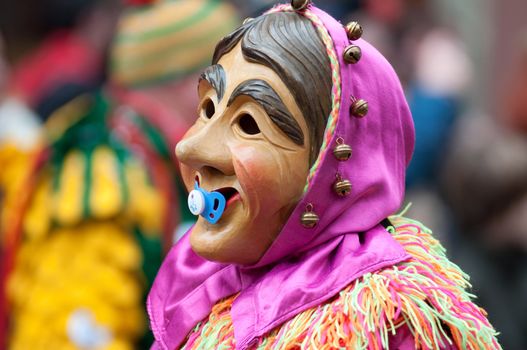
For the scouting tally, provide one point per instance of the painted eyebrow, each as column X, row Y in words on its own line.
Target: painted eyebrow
column 215, row 76
column 264, row 94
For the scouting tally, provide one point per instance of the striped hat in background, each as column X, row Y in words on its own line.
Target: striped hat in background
column 168, row 40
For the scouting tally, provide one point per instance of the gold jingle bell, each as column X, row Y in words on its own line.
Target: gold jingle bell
column 352, row 54
column 342, row 187
column 354, row 30
column 309, row 219
column 299, row 5
column 342, row 152
column 359, row 108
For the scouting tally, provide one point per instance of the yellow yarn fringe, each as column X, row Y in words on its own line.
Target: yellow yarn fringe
column 426, row 294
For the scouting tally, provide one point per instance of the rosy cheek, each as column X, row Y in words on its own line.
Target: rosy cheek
column 258, row 172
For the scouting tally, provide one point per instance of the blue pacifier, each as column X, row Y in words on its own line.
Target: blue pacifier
column 210, row 205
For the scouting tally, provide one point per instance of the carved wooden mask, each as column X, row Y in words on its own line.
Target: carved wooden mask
column 262, row 112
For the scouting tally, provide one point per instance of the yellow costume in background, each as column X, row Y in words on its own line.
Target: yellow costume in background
column 90, row 235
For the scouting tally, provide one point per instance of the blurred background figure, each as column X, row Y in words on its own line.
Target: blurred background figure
column 485, row 182
column 100, row 199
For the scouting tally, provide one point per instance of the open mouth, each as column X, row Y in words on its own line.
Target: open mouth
column 230, row 194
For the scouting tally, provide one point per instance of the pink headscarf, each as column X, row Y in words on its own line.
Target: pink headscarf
column 306, row 267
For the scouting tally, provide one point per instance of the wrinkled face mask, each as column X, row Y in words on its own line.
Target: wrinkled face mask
column 245, row 174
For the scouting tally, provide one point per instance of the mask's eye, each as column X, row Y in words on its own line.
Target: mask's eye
column 248, row 125
column 207, row 108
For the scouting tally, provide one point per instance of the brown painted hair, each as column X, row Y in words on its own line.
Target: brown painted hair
column 289, row 44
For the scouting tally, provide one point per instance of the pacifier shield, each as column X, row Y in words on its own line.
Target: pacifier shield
column 209, row 205
column 196, row 202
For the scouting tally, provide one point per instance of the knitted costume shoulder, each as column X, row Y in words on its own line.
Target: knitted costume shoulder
column 425, row 295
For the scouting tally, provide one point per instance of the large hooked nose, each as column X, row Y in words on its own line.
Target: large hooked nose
column 206, row 148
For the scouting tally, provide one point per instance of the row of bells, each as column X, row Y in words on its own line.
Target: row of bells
column 341, row 187
column 359, row 109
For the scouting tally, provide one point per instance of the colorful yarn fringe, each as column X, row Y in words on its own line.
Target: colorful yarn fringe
column 336, row 91
column 425, row 294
